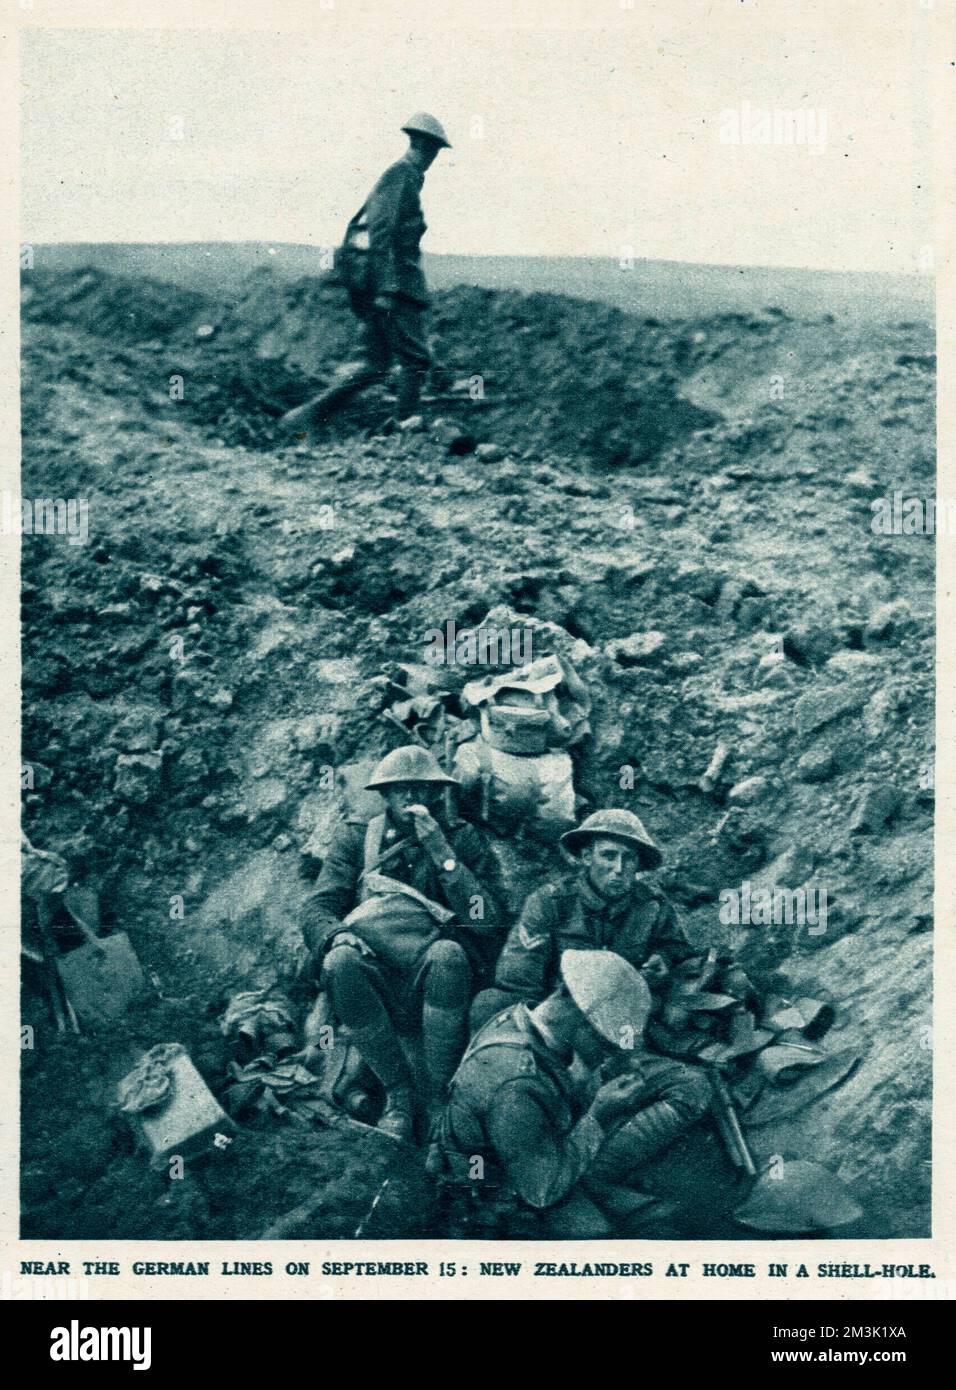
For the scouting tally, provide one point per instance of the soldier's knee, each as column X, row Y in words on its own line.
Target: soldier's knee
column 342, row 964
column 351, row 985
column 448, row 981
column 486, row 1004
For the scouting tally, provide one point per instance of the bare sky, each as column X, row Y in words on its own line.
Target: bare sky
column 590, row 140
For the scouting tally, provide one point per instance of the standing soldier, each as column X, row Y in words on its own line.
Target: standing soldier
column 384, row 279
column 401, row 923
column 528, row 1127
column 602, row 906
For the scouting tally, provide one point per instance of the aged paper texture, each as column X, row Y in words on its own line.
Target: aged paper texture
column 477, row 514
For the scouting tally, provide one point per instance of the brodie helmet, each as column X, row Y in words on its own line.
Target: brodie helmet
column 423, row 124
column 619, row 825
column 412, row 763
column 613, row 997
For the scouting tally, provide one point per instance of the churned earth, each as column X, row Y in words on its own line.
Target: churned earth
column 704, row 487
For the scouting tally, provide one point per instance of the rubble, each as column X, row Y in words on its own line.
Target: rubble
column 816, row 764
column 750, row 790
column 875, row 809
column 138, row 777
column 816, row 708
column 638, row 649
column 153, row 793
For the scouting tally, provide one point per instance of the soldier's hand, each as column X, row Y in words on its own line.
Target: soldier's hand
column 385, row 303
column 617, row 1097
column 429, row 833
column 348, row 938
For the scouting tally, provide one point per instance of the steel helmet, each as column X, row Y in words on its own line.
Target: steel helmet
column 621, row 825
column 412, row 763
column 423, row 124
column 612, row 995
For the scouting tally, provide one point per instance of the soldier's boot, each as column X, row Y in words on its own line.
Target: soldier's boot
column 306, row 417
column 382, row 1052
column 444, row 1034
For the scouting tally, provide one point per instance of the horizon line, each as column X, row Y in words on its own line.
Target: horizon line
column 914, row 274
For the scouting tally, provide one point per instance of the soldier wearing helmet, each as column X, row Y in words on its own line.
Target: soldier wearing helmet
column 528, row 1127
column 402, row 921
column 381, row 268
column 603, row 906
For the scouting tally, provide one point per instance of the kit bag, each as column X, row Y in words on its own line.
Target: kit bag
column 530, row 791
column 352, row 257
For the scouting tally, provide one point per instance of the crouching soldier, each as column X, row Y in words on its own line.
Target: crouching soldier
column 401, row 924
column 528, row 1126
column 602, row 906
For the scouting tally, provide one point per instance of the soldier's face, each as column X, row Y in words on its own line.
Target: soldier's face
column 405, row 794
column 590, row 1046
column 425, row 151
column 610, row 866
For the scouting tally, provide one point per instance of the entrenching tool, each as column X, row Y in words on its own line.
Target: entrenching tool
column 64, row 1015
column 45, row 875
column 790, row 1195
column 103, row 977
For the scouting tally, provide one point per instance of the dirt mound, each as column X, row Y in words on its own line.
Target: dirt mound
column 111, row 306
column 541, row 371
column 229, row 630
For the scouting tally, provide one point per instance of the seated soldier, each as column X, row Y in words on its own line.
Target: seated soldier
column 401, row 923
column 527, row 1126
column 602, row 906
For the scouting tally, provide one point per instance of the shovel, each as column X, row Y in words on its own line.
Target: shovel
column 64, row 1015
column 102, row 978
column 791, row 1197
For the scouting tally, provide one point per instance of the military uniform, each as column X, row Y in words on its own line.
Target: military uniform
column 396, row 225
column 569, row 915
column 475, row 876
column 517, row 1132
column 431, row 933
column 391, row 273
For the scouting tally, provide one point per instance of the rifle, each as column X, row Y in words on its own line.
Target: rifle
column 728, row 1124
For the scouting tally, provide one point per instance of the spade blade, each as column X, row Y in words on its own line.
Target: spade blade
column 101, row 981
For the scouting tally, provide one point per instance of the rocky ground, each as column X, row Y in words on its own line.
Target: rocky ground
column 690, row 501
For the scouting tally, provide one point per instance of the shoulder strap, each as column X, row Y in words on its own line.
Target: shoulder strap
column 374, row 832
column 355, row 220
